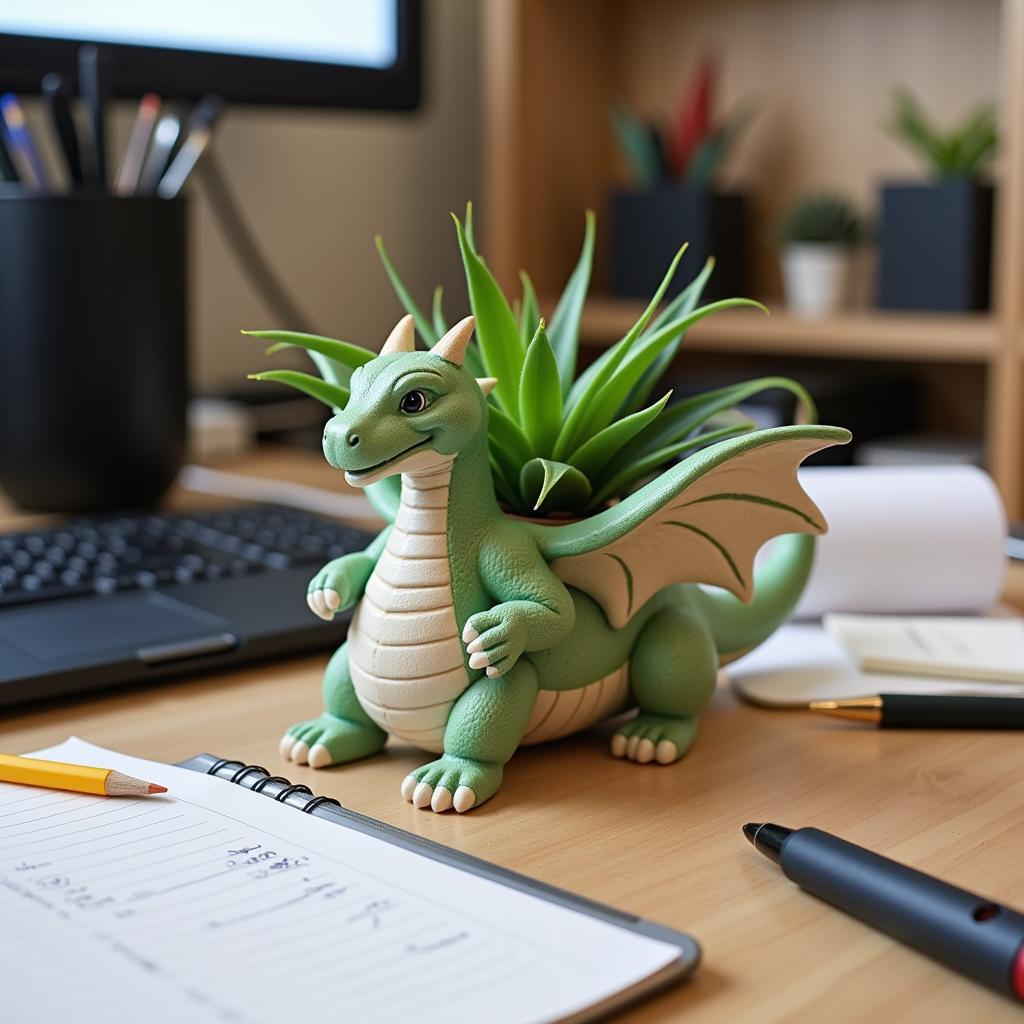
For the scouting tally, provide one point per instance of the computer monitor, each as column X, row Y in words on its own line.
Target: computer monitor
column 362, row 54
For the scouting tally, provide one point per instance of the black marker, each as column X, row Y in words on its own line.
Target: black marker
column 57, row 96
column 972, row 935
column 92, row 87
column 924, row 711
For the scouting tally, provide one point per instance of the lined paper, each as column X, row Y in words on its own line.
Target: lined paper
column 214, row 904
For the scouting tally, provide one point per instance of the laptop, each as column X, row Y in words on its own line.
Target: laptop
column 124, row 599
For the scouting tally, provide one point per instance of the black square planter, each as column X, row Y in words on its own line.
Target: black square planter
column 648, row 228
column 935, row 246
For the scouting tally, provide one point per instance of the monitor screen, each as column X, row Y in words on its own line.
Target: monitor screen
column 356, row 53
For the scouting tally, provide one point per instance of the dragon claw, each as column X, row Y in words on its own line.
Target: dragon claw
column 469, row 634
column 441, row 801
column 666, row 752
column 409, row 785
column 479, row 659
column 323, row 603
column 451, row 783
column 650, row 738
column 464, row 800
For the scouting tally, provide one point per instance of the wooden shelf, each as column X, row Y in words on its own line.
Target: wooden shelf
column 864, row 335
column 822, row 76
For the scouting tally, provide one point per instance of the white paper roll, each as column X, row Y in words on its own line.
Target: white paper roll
column 904, row 539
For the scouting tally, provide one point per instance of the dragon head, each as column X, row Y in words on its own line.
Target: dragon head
column 409, row 411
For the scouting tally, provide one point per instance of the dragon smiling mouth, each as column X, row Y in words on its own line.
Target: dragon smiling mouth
column 369, row 470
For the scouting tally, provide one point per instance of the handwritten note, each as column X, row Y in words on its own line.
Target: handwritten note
column 215, row 904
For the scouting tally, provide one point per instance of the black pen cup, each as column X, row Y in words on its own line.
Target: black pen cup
column 93, row 349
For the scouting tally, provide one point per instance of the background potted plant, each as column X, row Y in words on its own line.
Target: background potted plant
column 818, row 234
column 674, row 196
column 935, row 241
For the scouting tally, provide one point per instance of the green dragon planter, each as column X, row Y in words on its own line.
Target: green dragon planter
column 476, row 632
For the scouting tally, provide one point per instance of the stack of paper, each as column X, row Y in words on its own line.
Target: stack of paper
column 803, row 662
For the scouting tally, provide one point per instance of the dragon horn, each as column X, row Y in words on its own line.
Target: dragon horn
column 452, row 347
column 487, row 384
column 401, row 339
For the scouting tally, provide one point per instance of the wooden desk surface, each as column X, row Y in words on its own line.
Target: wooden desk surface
column 663, row 842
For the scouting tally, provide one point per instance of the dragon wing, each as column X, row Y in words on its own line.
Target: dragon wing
column 702, row 521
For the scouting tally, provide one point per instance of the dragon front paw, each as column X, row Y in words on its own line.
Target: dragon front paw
column 494, row 641
column 333, row 588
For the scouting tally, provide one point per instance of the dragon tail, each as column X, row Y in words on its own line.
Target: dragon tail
column 778, row 584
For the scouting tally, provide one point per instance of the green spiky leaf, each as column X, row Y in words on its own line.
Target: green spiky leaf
column 592, row 455
column 599, row 410
column 682, row 305
column 624, row 481
column 423, row 323
column 681, row 419
column 529, row 313
column 469, row 226
column 333, row 395
column 496, row 329
column 508, row 441
column 595, row 375
column 334, row 359
column 557, row 485
column 540, row 394
column 565, row 321
column 438, row 320
column 343, row 352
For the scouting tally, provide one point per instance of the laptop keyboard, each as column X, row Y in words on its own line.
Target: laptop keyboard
column 105, row 555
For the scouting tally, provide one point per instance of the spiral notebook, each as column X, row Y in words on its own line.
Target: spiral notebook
column 223, row 903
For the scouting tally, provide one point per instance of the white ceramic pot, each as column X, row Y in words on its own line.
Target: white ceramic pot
column 815, row 277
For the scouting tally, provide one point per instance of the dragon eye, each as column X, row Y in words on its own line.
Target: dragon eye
column 413, row 401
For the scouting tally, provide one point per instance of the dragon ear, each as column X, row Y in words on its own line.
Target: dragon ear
column 452, row 347
column 487, row 384
column 401, row 339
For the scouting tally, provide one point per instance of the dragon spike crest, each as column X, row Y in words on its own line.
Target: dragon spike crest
column 487, row 384
column 452, row 347
column 401, row 339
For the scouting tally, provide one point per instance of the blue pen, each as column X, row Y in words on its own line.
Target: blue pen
column 19, row 142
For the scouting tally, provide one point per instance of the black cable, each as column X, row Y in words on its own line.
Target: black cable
column 245, row 247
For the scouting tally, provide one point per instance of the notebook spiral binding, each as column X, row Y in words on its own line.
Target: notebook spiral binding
column 259, row 780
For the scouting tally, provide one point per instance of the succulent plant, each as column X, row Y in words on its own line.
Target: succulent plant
column 821, row 217
column 963, row 151
column 560, row 444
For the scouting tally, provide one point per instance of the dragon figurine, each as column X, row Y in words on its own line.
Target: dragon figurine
column 475, row 632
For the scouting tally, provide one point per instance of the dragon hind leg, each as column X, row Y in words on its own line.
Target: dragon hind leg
column 344, row 732
column 672, row 672
column 483, row 731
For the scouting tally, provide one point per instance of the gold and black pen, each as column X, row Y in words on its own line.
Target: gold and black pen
column 921, row 711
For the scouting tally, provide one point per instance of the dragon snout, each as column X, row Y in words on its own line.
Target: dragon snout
column 340, row 440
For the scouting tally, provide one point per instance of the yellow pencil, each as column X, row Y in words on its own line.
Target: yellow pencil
column 30, row 771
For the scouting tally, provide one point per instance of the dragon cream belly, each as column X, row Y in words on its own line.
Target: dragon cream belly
column 406, row 622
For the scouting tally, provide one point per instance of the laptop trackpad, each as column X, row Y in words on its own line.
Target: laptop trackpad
column 131, row 622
